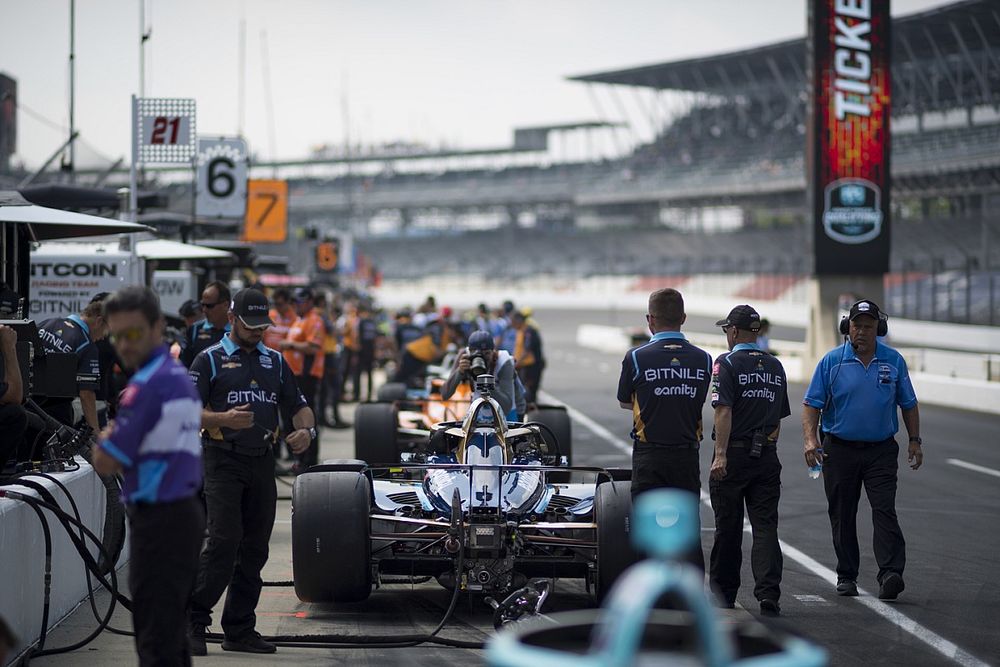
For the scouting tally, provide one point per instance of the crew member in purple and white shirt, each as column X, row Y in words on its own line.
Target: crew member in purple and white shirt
column 154, row 441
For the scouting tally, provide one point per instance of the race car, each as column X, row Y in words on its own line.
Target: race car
column 480, row 514
column 400, row 423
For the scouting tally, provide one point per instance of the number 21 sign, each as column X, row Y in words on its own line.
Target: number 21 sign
column 166, row 129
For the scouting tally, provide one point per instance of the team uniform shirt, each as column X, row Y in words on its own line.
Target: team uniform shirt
column 307, row 329
column 368, row 333
column 666, row 381
column 72, row 335
column 432, row 341
column 155, row 433
column 859, row 403
column 406, row 333
column 200, row 336
column 278, row 331
column 751, row 382
column 226, row 376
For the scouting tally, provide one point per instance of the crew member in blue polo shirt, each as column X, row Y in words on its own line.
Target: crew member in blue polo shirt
column 749, row 394
column 154, row 440
column 856, row 389
column 243, row 386
column 664, row 383
column 77, row 334
column 207, row 332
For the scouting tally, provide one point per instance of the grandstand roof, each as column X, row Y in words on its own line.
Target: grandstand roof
column 962, row 39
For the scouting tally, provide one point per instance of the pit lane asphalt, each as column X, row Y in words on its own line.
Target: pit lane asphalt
column 949, row 515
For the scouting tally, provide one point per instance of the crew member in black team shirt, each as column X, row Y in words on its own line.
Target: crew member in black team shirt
column 664, row 383
column 750, row 400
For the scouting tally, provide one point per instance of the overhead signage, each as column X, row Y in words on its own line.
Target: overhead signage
column 848, row 155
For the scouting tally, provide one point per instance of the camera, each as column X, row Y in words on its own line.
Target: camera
column 477, row 363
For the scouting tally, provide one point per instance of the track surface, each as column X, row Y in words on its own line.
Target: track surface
column 950, row 516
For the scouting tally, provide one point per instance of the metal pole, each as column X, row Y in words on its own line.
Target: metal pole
column 133, row 172
column 72, row 89
column 142, row 48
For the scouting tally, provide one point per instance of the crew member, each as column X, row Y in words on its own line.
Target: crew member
column 155, row 441
column 664, row 383
column 749, row 394
column 242, row 385
column 303, row 350
column 13, row 419
column 328, row 388
column 368, row 335
column 525, row 344
column 209, row 331
column 427, row 348
column 191, row 312
column 283, row 315
column 509, row 393
column 350, row 346
column 857, row 388
column 77, row 334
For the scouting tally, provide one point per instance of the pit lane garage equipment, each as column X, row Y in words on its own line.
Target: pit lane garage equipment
column 629, row 630
column 480, row 515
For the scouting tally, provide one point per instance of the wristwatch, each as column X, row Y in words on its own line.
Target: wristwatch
column 312, row 432
column 916, row 439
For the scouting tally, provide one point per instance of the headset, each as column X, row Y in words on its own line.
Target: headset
column 882, row 328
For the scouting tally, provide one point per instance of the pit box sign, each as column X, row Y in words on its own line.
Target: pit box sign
column 267, row 212
column 221, row 189
column 166, row 130
column 848, row 149
column 174, row 288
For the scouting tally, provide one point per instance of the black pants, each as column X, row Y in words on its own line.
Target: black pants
column 13, row 422
column 661, row 466
column 365, row 363
column 241, row 495
column 309, row 385
column 165, row 540
column 757, row 484
column 845, row 469
column 349, row 361
column 531, row 378
column 328, row 392
column 409, row 368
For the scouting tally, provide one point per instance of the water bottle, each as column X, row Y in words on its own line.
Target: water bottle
column 815, row 470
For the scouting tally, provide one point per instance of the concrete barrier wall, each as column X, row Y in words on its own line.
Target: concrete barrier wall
column 22, row 554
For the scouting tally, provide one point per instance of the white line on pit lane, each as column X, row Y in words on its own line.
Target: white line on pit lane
column 902, row 621
column 972, row 466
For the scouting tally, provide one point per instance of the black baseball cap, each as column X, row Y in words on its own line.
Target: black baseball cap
column 302, row 294
column 252, row 308
column 189, row 308
column 865, row 307
column 741, row 317
column 481, row 340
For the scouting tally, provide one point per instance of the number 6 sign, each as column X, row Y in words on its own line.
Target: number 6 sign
column 221, row 190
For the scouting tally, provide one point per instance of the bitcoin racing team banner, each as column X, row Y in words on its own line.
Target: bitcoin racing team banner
column 848, row 151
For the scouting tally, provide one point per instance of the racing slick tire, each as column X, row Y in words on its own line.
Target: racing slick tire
column 375, row 428
column 331, row 537
column 612, row 514
column 391, row 391
column 556, row 419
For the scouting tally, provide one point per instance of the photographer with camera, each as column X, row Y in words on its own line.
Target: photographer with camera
column 482, row 357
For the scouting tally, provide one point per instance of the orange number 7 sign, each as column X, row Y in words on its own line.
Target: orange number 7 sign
column 267, row 212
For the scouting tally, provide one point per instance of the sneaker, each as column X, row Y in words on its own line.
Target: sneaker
column 770, row 607
column 890, row 588
column 847, row 588
column 251, row 642
column 196, row 640
column 340, row 425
